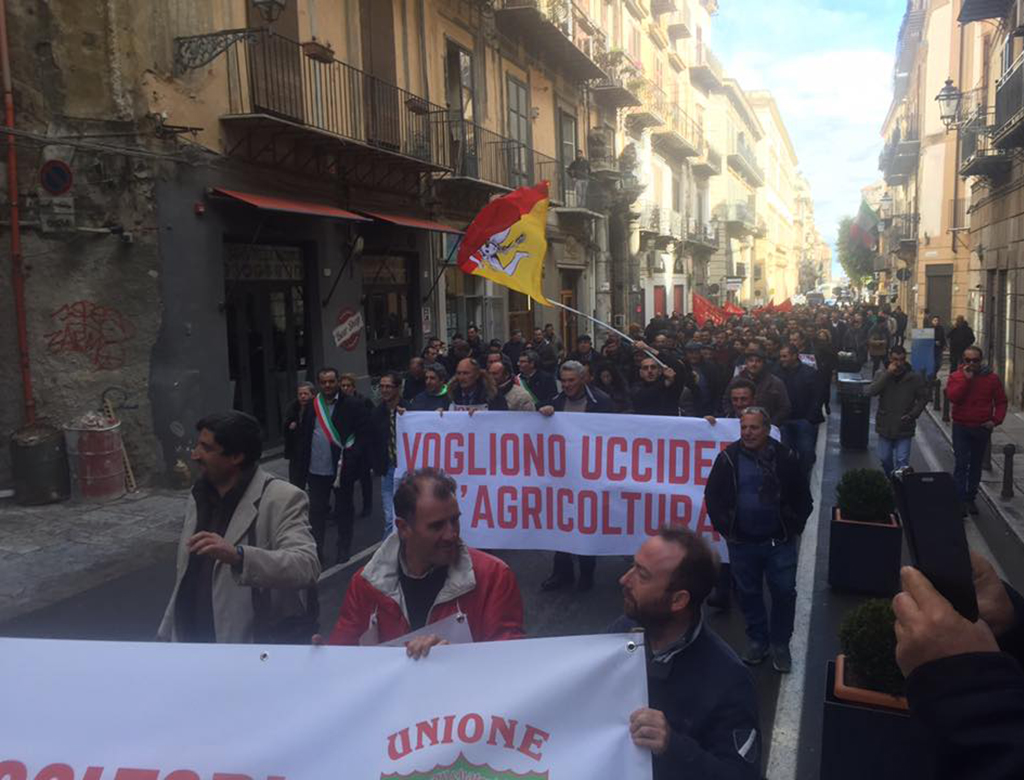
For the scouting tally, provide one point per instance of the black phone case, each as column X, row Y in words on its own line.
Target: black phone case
column 932, row 520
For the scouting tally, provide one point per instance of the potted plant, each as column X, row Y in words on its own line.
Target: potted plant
column 865, row 543
column 867, row 730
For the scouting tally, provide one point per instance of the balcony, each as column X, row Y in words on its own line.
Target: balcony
column 738, row 216
column 1009, row 132
column 601, row 152
column 558, row 29
column 899, row 158
column 701, row 236
column 743, row 160
column 320, row 115
column 653, row 109
column 491, row 161
column 706, row 71
column 901, row 235
column 639, row 8
column 679, row 25
column 659, row 7
column 709, row 163
column 650, row 219
column 680, row 136
column 621, row 82
column 977, row 155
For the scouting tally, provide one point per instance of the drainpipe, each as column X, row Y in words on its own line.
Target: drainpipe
column 17, row 267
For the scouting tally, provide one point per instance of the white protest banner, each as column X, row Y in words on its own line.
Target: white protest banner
column 529, row 709
column 594, row 484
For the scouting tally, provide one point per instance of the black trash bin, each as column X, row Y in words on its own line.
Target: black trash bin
column 855, row 412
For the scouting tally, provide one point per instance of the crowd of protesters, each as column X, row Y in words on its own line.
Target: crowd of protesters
column 766, row 369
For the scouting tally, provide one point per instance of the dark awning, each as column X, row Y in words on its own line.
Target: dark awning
column 976, row 10
column 290, row 206
column 414, row 222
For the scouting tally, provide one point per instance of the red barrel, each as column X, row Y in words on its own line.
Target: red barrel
column 96, row 461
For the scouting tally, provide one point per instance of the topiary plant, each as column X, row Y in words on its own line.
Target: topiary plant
column 865, row 495
column 868, row 638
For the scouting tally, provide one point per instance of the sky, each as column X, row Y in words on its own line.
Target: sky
column 829, row 65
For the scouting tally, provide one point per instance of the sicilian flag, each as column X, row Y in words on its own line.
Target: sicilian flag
column 506, row 243
column 864, row 229
column 323, row 419
column 704, row 310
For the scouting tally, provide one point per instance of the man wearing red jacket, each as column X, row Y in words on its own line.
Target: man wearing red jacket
column 979, row 405
column 423, row 574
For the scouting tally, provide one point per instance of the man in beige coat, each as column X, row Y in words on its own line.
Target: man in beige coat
column 516, row 397
column 247, row 562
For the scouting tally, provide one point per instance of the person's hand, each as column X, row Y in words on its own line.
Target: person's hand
column 906, row 418
column 928, row 628
column 400, row 409
column 318, row 640
column 649, row 729
column 893, row 369
column 642, row 345
column 440, row 412
column 989, row 425
column 670, row 376
column 994, row 605
column 214, row 545
column 547, row 411
column 292, row 426
column 420, row 646
column 471, row 412
column 968, row 369
column 710, row 420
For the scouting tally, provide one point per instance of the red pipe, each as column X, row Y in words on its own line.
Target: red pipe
column 17, row 266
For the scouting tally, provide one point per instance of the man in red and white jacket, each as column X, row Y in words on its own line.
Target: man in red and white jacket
column 423, row 574
column 979, row 405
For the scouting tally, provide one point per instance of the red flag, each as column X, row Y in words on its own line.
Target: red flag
column 704, row 310
column 785, row 307
column 733, row 310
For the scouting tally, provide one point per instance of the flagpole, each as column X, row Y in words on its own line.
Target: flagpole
column 609, row 327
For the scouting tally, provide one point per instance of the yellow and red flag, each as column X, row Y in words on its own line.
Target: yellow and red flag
column 506, row 243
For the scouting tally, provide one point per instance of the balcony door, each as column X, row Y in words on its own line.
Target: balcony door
column 567, row 147
column 519, row 155
column 462, row 110
column 384, row 119
column 275, row 65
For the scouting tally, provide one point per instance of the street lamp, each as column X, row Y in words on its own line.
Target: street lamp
column 270, row 10
column 949, row 104
column 885, row 207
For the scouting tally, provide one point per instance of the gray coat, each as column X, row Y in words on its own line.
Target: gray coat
column 906, row 396
column 283, row 559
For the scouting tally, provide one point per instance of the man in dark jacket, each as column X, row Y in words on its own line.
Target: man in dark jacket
column 332, row 425
column 902, row 397
column 968, row 694
column 901, row 325
column 758, row 498
column 576, row 396
column 514, row 346
column 655, row 393
column 547, row 356
column 584, row 352
column 384, row 424
column 701, row 397
column 800, row 430
column 415, row 382
column 435, row 393
column 960, row 338
column 771, row 392
column 702, row 721
column 537, row 382
column 474, row 389
column 979, row 405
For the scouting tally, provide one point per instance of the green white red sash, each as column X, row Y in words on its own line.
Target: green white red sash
column 323, row 416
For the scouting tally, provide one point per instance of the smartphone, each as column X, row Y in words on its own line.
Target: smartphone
column 932, row 521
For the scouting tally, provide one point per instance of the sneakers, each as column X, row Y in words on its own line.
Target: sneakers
column 755, row 654
column 782, row 661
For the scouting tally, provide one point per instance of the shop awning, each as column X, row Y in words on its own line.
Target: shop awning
column 272, row 203
column 413, row 222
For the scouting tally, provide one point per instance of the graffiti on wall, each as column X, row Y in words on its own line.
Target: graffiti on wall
column 101, row 333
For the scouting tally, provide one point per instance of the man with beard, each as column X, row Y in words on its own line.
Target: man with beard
column 654, row 393
column 702, row 720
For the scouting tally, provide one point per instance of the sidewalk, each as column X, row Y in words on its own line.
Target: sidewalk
column 50, row 553
column 1011, row 510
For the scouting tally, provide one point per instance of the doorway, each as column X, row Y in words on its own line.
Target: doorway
column 520, row 157
column 569, row 284
column 939, row 291
column 391, row 305
column 267, row 329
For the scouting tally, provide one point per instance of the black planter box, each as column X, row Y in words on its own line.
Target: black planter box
column 859, row 742
column 864, row 557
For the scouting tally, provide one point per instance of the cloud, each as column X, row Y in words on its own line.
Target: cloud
column 833, row 87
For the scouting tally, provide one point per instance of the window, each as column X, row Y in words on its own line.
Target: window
column 520, row 164
column 1006, row 60
column 459, row 88
column 757, row 273
column 567, row 150
column 677, row 195
column 634, row 43
column 659, row 300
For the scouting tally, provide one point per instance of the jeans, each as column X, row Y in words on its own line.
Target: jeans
column 894, row 454
column 580, row 187
column 752, row 564
column 387, row 500
column 969, row 444
column 320, row 489
column 801, row 436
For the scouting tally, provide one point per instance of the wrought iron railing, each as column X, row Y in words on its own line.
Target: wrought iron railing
column 1010, row 96
column 269, row 74
column 654, row 99
column 702, row 233
column 741, row 148
column 570, row 20
column 705, row 58
column 680, row 122
column 650, row 217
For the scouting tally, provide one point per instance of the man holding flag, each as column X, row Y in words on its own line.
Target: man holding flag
column 331, row 450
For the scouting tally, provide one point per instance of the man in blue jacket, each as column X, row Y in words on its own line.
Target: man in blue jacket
column 759, row 499
column 800, row 429
column 702, row 719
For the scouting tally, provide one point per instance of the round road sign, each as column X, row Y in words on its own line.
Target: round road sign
column 55, row 177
